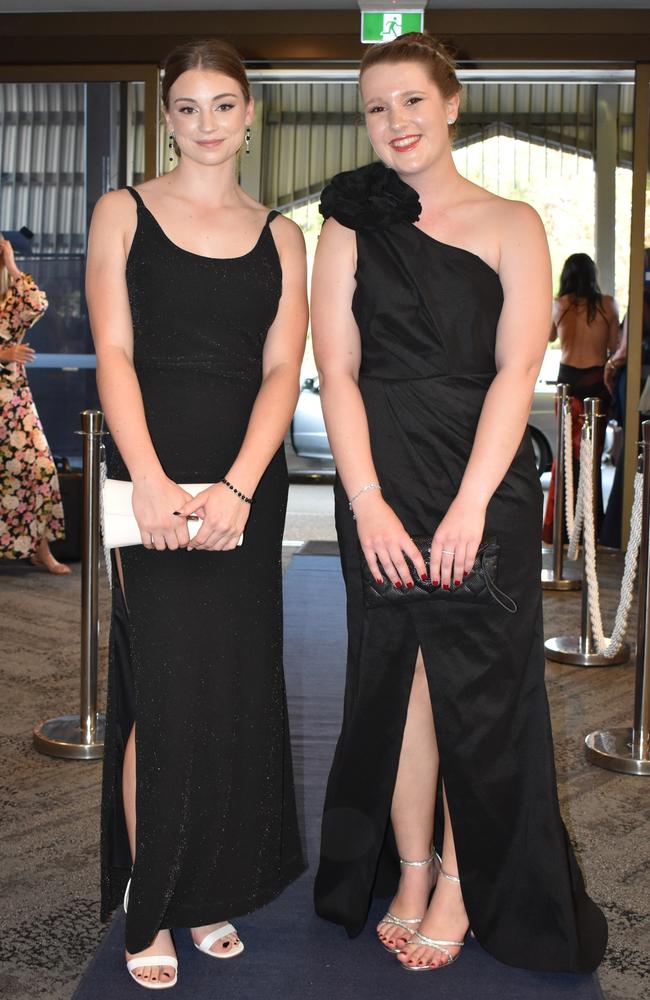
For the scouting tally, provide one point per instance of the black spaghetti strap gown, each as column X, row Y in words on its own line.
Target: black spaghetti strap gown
column 428, row 314
column 196, row 661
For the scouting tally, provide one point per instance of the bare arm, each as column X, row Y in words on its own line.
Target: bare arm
column 618, row 358
column 554, row 334
column 337, row 348
column 283, row 352
column 225, row 515
column 522, row 335
column 613, row 327
column 111, row 231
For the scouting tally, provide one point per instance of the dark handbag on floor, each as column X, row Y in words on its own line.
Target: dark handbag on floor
column 68, row 549
column 478, row 587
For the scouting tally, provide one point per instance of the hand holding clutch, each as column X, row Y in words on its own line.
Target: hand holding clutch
column 119, row 525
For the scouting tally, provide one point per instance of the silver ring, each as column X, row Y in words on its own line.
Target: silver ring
column 448, row 552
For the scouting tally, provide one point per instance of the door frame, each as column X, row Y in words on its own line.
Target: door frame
column 147, row 73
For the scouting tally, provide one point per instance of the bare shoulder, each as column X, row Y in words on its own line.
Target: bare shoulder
column 517, row 219
column 287, row 233
column 337, row 236
column 118, row 206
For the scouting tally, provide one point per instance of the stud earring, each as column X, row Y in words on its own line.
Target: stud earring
column 171, row 145
column 451, row 121
column 247, row 139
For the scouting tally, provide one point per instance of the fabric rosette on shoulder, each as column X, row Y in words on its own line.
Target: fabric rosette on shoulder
column 369, row 197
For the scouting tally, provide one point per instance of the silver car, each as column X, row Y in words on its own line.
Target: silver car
column 309, row 438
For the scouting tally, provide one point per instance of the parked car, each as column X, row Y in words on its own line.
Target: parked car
column 309, row 438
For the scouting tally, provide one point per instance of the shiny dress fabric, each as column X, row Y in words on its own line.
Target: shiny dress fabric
column 196, row 639
column 427, row 313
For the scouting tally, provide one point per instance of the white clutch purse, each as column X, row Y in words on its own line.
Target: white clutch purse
column 119, row 526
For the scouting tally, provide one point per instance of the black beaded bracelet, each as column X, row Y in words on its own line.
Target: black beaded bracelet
column 242, row 496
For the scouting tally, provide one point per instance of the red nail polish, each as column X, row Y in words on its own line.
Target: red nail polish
column 398, row 584
column 409, row 585
column 465, row 574
column 456, row 583
column 445, row 586
column 424, row 577
column 379, row 579
column 436, row 583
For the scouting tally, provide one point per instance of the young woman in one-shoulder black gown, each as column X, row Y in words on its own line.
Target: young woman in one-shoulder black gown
column 430, row 310
column 198, row 307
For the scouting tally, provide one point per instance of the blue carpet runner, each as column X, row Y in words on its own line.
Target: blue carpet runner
column 290, row 953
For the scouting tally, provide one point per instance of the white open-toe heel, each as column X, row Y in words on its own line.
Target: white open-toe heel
column 213, row 936
column 139, row 963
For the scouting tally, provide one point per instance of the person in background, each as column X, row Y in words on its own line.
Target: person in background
column 616, row 382
column 587, row 325
column 31, row 514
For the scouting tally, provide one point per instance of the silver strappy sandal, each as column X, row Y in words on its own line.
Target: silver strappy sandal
column 409, row 924
column 439, row 945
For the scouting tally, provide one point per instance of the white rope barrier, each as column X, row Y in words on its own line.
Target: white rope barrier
column 582, row 522
column 567, row 458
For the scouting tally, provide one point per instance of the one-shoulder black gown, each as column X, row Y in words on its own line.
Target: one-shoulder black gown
column 196, row 661
column 428, row 313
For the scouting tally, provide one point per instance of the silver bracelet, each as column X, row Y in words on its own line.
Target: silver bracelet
column 364, row 489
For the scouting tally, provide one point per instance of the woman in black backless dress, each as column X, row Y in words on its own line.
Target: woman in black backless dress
column 199, row 343
column 428, row 350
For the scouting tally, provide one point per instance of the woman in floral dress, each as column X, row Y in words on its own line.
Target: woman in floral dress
column 31, row 515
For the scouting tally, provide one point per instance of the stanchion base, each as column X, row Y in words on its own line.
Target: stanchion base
column 63, row 738
column 551, row 582
column 570, row 649
column 613, row 749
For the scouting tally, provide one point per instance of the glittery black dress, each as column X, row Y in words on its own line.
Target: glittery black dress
column 427, row 314
column 196, row 661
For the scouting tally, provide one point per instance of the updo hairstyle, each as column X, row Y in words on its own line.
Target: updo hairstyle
column 210, row 54
column 416, row 46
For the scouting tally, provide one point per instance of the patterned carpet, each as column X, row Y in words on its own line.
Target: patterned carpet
column 49, row 927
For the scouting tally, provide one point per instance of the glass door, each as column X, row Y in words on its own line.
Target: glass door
column 67, row 136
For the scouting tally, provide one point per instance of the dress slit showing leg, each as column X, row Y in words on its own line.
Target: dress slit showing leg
column 428, row 316
column 198, row 657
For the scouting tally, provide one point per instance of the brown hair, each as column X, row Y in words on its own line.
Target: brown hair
column 417, row 46
column 211, row 53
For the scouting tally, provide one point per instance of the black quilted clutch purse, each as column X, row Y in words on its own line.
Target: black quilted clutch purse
column 478, row 587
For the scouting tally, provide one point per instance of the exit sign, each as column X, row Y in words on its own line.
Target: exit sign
column 383, row 26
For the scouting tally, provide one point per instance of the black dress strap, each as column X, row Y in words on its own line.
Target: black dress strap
column 134, row 194
column 273, row 214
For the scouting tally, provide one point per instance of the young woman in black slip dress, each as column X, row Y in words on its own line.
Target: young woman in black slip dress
column 430, row 309
column 198, row 307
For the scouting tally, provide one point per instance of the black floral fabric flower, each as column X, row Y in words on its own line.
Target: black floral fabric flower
column 371, row 197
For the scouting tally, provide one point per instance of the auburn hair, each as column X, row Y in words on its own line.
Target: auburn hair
column 417, row 46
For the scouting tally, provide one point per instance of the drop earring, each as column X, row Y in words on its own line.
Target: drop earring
column 171, row 145
column 247, row 139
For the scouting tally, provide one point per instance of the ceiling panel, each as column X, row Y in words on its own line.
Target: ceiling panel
column 56, row 6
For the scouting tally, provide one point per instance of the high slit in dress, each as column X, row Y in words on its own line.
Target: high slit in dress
column 427, row 314
column 195, row 656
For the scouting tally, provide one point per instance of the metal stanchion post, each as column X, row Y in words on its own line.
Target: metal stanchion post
column 581, row 651
column 81, row 737
column 553, row 579
column 628, row 750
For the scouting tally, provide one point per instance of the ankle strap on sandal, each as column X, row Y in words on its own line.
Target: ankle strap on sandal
column 451, row 878
column 418, row 864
